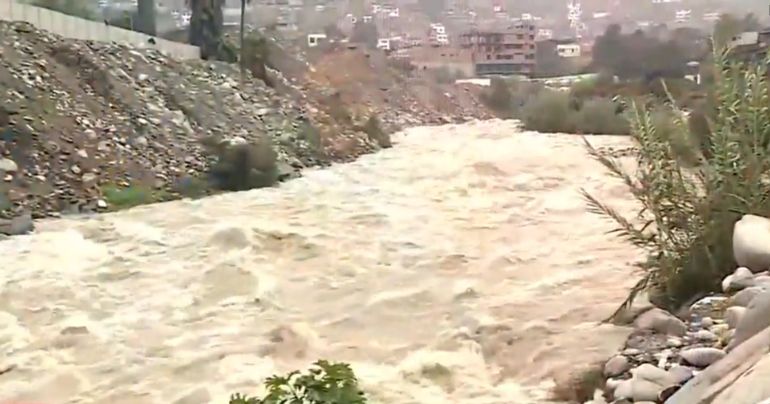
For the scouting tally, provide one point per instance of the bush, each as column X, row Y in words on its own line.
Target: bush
column 600, row 116
column 550, row 111
column 373, row 130
column 324, row 383
column 240, row 166
column 688, row 213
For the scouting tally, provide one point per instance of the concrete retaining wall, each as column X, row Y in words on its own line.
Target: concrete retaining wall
column 78, row 28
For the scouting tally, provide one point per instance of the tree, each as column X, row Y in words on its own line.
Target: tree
column 638, row 56
column 206, row 24
column 729, row 26
column 146, row 21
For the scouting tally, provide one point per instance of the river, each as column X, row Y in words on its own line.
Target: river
column 465, row 248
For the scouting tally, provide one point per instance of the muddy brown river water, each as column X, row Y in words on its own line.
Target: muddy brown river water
column 465, row 248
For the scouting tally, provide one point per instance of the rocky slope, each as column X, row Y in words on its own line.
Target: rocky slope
column 78, row 117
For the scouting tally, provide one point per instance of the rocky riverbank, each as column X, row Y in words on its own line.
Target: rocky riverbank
column 79, row 119
column 669, row 358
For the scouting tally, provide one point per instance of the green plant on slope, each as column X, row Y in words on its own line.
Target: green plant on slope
column 324, row 383
column 688, row 210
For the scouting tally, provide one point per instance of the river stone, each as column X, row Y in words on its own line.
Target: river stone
column 744, row 297
column 751, row 242
column 701, row 356
column 733, row 315
column 19, row 225
column 680, row 374
column 660, row 321
column 706, row 336
column 616, row 366
column 654, row 374
column 643, row 390
column 8, row 166
column 755, row 319
column 741, row 279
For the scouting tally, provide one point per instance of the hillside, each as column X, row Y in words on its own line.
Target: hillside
column 79, row 117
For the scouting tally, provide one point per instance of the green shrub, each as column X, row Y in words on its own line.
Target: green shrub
column 600, row 116
column 688, row 212
column 118, row 197
column 324, row 383
column 550, row 112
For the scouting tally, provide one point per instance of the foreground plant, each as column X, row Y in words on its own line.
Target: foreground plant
column 324, row 383
column 688, row 210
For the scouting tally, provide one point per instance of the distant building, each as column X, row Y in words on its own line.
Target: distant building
column 509, row 51
column 456, row 60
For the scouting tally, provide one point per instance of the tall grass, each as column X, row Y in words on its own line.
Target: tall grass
column 688, row 210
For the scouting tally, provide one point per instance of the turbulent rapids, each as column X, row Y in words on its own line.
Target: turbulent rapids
column 465, row 248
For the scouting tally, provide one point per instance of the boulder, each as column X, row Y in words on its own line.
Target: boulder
column 755, row 319
column 751, row 242
column 653, row 374
column 660, row 321
column 752, row 387
column 741, row 279
column 8, row 166
column 616, row 366
column 702, row 357
column 680, row 374
column 733, row 315
column 19, row 225
column 744, row 297
column 643, row 390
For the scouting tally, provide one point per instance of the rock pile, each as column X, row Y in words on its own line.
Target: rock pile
column 664, row 352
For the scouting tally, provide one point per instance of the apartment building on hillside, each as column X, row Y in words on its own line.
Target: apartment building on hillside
column 509, row 51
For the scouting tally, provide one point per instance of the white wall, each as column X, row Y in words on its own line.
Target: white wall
column 79, row 28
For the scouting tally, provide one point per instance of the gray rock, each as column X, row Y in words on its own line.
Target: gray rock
column 741, row 279
column 755, row 319
column 680, row 374
column 624, row 390
column 762, row 280
column 744, row 297
column 652, row 374
column 702, row 357
column 616, row 366
column 21, row 224
column 706, row 322
column 733, row 315
column 706, row 336
column 660, row 321
column 631, row 352
column 644, row 390
column 8, row 165
column 674, row 342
